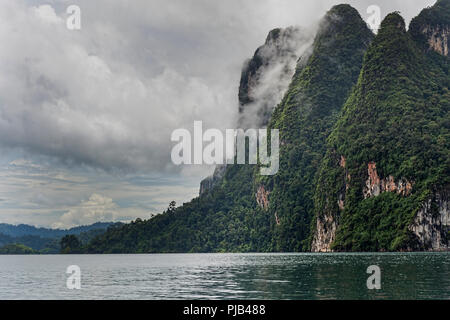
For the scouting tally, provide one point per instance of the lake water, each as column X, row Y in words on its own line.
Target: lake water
column 227, row 276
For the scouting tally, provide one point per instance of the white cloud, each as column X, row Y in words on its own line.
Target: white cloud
column 275, row 75
column 41, row 193
column 97, row 209
column 62, row 96
column 47, row 14
column 110, row 94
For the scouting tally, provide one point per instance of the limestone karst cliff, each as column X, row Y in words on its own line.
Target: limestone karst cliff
column 393, row 134
column 264, row 80
column 364, row 126
column 267, row 75
column 431, row 28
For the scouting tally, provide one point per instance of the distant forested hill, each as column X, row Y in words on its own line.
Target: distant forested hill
column 45, row 240
column 27, row 230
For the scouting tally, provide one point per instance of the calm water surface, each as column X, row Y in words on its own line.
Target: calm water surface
column 227, row 276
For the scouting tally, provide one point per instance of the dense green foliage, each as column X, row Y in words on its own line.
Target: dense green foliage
column 47, row 241
column 70, row 244
column 228, row 217
column 398, row 117
column 382, row 100
column 15, row 248
column 437, row 16
column 27, row 230
column 225, row 219
column 306, row 116
column 35, row 242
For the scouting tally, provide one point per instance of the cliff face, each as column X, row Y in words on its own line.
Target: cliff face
column 266, row 76
column 210, row 182
column 375, row 185
column 264, row 80
column 364, row 150
column 385, row 159
column 431, row 224
column 262, row 198
column 438, row 38
column 324, row 233
column 432, row 27
column 305, row 117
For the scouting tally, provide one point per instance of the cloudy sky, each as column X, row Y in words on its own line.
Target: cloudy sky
column 86, row 115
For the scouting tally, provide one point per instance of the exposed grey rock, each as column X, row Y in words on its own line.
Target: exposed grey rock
column 210, row 182
column 432, row 223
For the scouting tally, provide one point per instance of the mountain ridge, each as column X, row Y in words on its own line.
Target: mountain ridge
column 384, row 159
column 29, row 230
column 364, row 157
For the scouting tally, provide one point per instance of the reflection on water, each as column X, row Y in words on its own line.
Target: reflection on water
column 227, row 276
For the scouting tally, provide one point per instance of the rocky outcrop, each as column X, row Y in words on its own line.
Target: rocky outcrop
column 375, row 185
column 266, row 76
column 277, row 220
column 326, row 225
column 262, row 197
column 264, row 80
column 325, row 233
column 438, row 38
column 432, row 27
column 343, row 162
column 432, row 223
column 210, row 182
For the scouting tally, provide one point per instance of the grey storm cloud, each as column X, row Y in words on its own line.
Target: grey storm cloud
column 110, row 95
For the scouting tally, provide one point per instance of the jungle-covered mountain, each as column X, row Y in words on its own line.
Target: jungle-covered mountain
column 364, row 147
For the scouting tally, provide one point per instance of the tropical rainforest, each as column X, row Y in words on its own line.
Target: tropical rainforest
column 364, row 151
